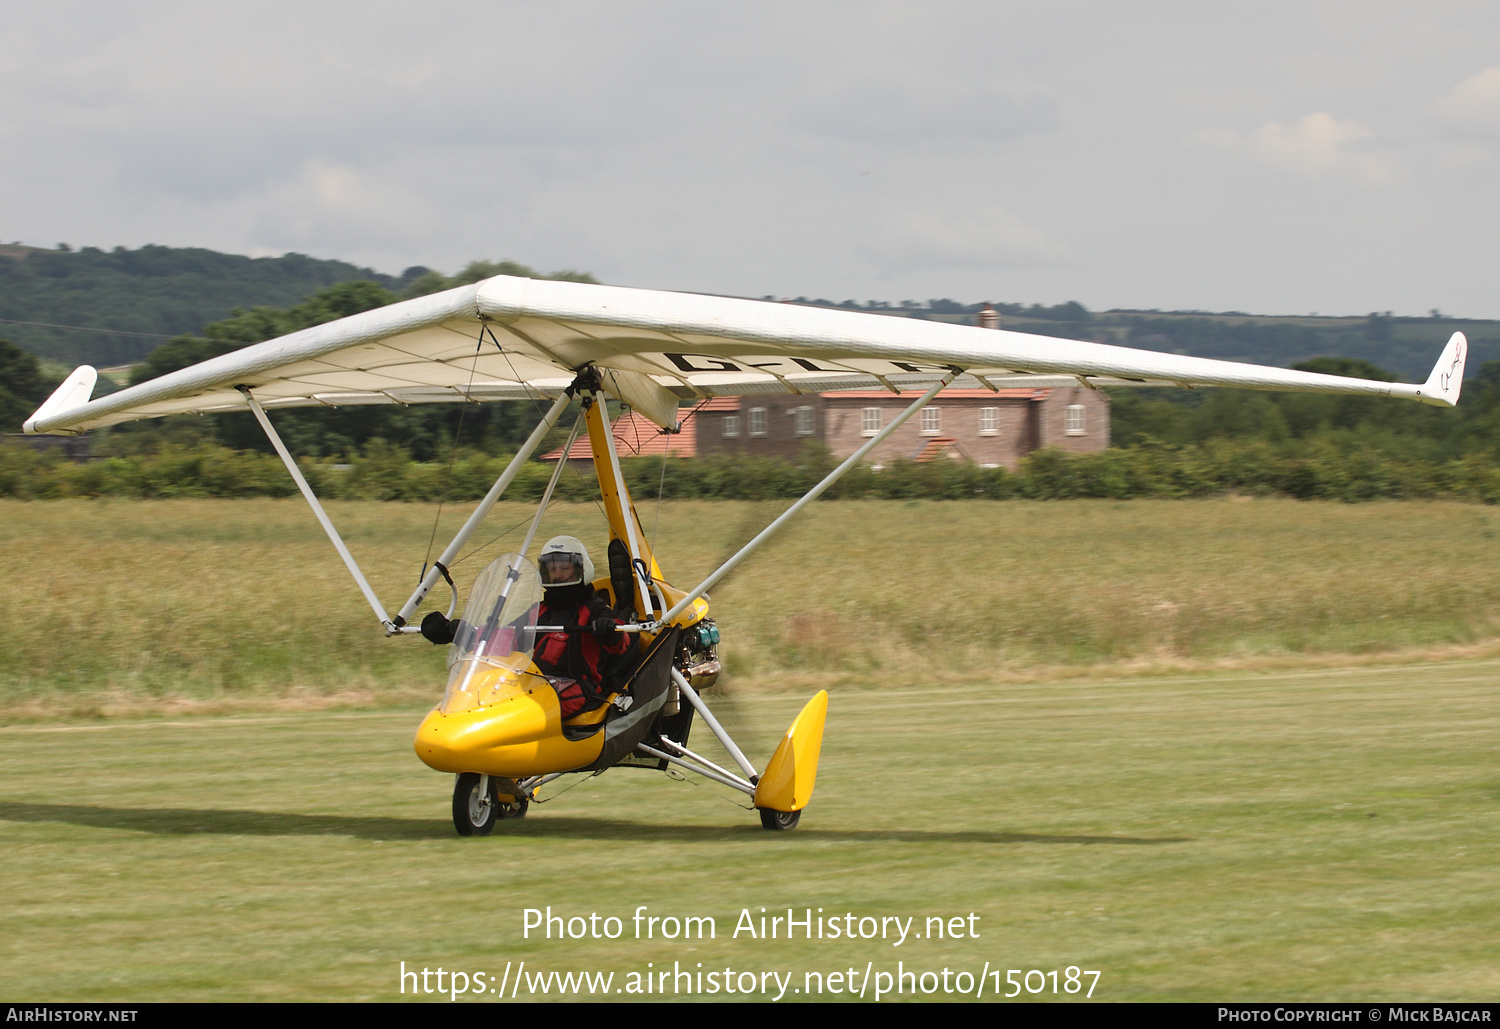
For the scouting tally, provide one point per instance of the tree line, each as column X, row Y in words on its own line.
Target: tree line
column 1327, row 468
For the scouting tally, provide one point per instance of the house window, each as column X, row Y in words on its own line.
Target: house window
column 731, row 425
column 932, row 421
column 869, row 422
column 757, row 421
column 989, row 421
column 804, row 421
column 1073, row 426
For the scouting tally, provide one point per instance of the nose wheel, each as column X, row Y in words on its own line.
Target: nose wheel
column 476, row 807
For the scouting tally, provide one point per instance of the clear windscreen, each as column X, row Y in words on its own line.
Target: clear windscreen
column 494, row 633
column 502, row 608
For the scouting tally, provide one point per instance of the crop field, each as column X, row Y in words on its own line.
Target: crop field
column 118, row 604
column 1209, row 750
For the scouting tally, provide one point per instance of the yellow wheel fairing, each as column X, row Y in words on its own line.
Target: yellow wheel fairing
column 787, row 784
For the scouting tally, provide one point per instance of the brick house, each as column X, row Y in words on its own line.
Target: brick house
column 978, row 425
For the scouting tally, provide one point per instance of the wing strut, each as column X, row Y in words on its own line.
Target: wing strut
column 312, row 500
column 398, row 624
column 811, row 495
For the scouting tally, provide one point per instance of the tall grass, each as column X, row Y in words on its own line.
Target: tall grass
column 117, row 602
column 1333, row 466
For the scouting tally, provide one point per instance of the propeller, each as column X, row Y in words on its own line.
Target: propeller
column 723, row 698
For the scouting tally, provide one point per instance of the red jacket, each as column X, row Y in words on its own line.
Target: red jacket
column 578, row 656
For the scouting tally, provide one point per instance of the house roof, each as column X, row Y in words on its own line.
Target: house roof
column 636, row 436
column 938, row 446
column 713, row 404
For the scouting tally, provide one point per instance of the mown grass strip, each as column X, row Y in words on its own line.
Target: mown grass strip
column 1283, row 836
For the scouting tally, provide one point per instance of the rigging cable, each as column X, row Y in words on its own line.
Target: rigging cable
column 546, row 497
column 576, row 782
column 536, row 406
column 672, row 773
column 453, row 450
column 662, row 483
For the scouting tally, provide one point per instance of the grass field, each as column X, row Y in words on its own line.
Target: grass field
column 1288, row 835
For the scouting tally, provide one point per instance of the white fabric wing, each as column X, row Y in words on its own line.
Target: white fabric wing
column 510, row 338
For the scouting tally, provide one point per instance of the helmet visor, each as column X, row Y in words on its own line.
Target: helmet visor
column 562, row 569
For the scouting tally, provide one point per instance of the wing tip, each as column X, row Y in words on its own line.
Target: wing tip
column 1447, row 379
column 75, row 391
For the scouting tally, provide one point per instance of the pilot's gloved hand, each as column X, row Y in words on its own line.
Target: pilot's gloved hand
column 606, row 628
column 438, row 629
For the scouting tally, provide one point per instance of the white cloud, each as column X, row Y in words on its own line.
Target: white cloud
column 986, row 237
column 870, row 150
column 331, row 201
column 1318, row 145
column 1472, row 108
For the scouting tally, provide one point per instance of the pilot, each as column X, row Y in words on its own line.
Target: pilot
column 577, row 662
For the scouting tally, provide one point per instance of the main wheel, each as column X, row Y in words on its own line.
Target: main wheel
column 779, row 821
column 475, row 812
column 515, row 808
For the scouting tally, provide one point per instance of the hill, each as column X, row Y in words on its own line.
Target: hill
column 1403, row 345
column 135, row 298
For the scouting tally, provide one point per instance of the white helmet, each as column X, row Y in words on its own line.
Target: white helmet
column 565, row 561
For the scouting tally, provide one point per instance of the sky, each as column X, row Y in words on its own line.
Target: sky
column 1268, row 157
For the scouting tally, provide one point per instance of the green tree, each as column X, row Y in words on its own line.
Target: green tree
column 22, row 388
column 426, row 431
column 477, row 271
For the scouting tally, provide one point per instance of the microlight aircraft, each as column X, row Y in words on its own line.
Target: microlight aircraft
column 498, row 727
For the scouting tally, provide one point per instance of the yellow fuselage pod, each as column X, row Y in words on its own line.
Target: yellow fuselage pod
column 515, row 730
column 506, row 720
